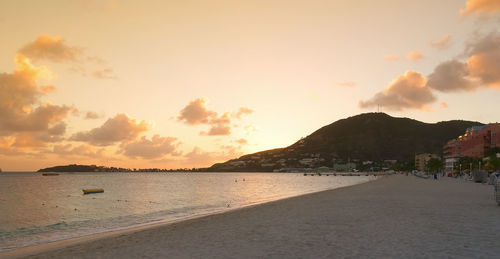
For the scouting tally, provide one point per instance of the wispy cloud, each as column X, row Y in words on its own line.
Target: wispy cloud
column 349, row 84
column 415, row 55
column 106, row 73
column 91, row 115
column 391, row 58
column 56, row 49
column 442, row 43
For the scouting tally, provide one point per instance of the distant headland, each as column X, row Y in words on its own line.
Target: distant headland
column 96, row 168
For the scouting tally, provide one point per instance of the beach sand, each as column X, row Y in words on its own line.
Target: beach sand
column 393, row 217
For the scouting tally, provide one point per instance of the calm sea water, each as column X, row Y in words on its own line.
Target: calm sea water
column 37, row 209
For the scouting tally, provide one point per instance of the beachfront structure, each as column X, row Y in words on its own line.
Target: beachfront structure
column 450, row 164
column 422, row 159
column 344, row 167
column 475, row 142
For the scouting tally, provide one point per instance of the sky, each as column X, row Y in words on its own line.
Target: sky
column 182, row 84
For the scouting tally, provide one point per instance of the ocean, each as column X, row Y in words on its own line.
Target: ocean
column 36, row 209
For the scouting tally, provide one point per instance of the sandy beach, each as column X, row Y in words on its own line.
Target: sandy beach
column 393, row 217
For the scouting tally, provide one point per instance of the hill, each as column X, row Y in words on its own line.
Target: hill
column 82, row 168
column 369, row 137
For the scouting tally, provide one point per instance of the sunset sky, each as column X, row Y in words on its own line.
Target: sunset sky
column 173, row 84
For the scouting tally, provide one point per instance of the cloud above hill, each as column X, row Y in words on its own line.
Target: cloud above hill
column 480, row 68
column 451, row 76
column 408, row 91
column 196, row 112
column 116, row 129
column 150, row 149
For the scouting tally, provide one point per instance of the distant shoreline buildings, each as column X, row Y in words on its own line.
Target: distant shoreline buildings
column 474, row 143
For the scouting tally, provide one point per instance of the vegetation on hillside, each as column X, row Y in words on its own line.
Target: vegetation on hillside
column 370, row 137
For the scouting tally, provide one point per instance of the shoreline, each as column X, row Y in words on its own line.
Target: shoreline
column 59, row 244
column 393, row 217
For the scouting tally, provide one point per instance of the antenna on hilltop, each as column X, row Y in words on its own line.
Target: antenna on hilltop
column 378, row 107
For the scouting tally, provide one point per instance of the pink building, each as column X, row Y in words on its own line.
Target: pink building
column 475, row 142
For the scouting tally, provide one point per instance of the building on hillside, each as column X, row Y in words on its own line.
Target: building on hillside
column 347, row 167
column 422, row 159
column 474, row 143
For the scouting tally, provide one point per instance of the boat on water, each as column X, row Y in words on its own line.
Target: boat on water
column 50, row 174
column 89, row 191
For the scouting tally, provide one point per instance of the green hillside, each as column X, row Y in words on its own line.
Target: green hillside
column 365, row 137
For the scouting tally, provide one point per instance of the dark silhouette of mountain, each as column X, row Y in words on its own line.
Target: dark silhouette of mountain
column 365, row 137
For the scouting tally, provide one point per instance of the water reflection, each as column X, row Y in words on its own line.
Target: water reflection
column 34, row 207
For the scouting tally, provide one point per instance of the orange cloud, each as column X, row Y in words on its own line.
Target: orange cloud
column 196, row 112
column 47, row 89
column 24, row 140
column 408, row 91
column 52, row 48
column 443, row 105
column 19, row 115
column 91, row 115
column 391, row 58
column 25, row 68
column 486, row 67
column 157, row 147
column 217, row 130
column 82, row 151
column 106, row 73
column 488, row 7
column 242, row 111
column 55, row 49
column 441, row 43
column 242, row 141
column 481, row 69
column 219, row 126
column 119, row 128
column 415, row 55
column 484, row 60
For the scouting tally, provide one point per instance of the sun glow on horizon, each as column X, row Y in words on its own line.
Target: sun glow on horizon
column 212, row 83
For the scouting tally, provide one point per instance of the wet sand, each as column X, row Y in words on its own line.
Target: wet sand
column 394, row 217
